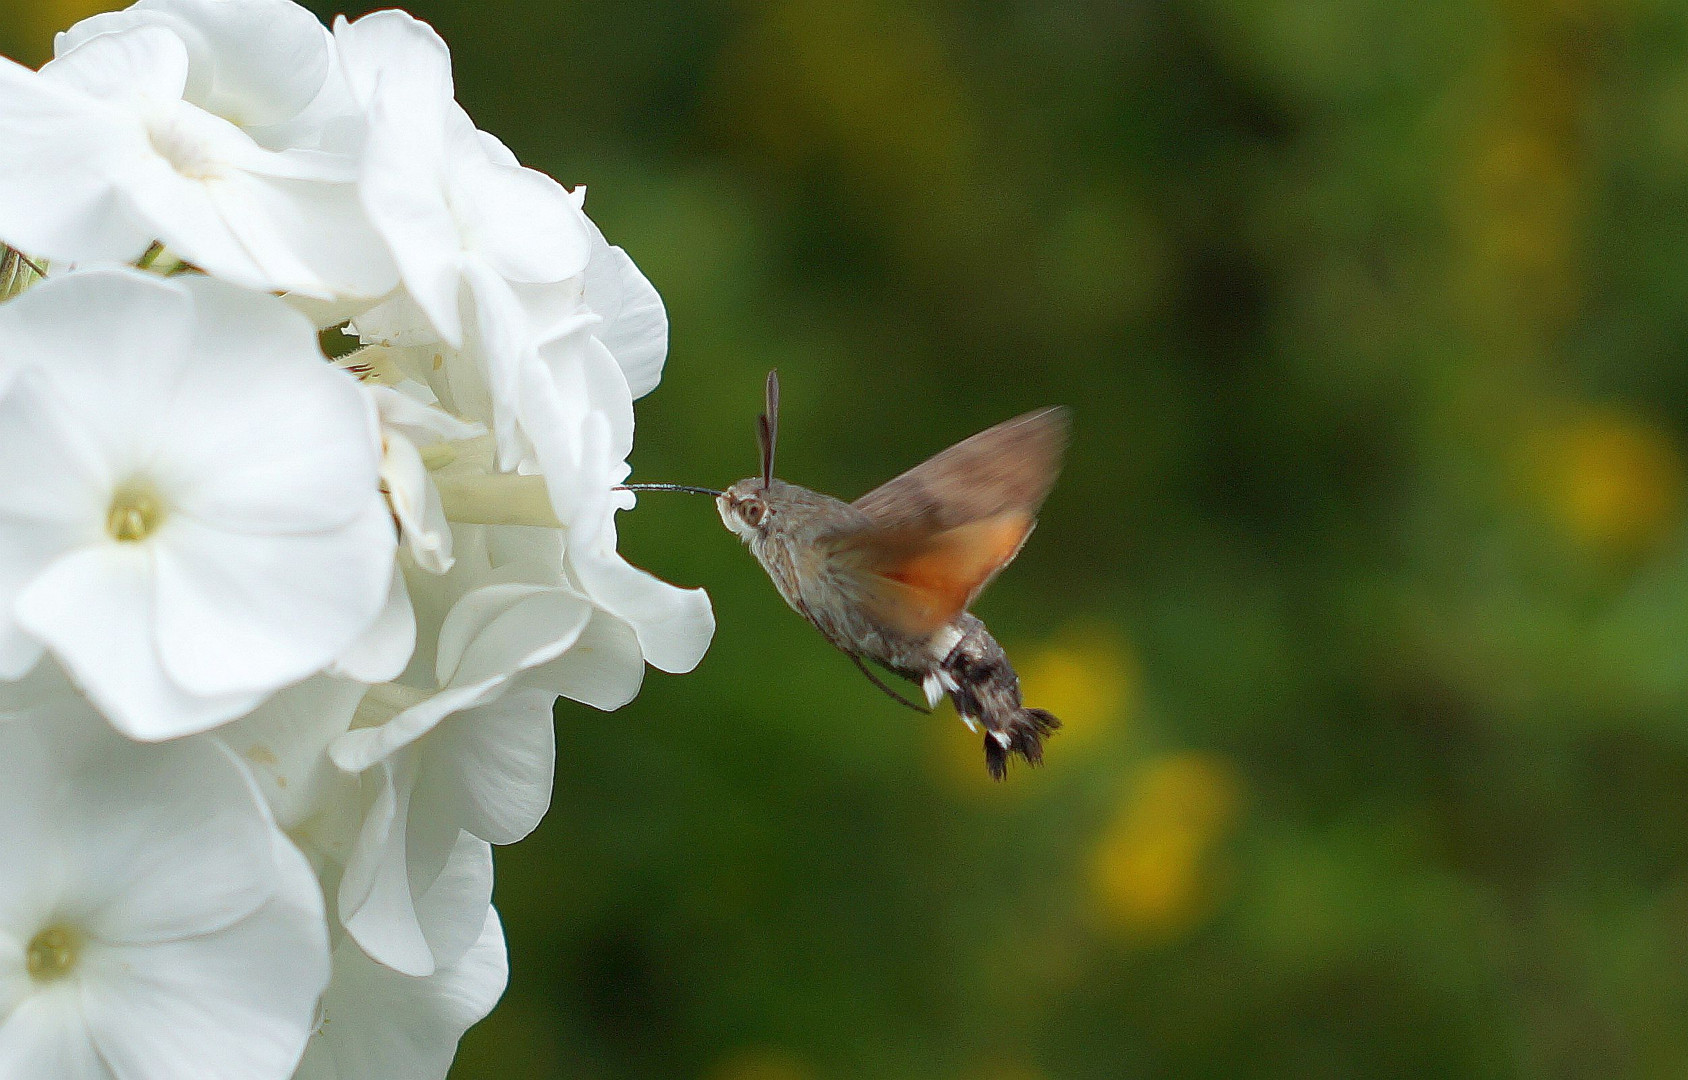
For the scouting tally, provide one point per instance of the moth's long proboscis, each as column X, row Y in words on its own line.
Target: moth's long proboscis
column 687, row 488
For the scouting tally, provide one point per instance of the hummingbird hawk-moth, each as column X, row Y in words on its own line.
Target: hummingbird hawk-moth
column 889, row 577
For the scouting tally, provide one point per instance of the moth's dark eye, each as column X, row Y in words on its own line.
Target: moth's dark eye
column 752, row 511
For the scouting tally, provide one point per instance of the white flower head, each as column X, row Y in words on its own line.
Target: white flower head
column 153, row 923
column 332, row 605
column 190, row 514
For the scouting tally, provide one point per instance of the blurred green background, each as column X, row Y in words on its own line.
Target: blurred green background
column 1363, row 594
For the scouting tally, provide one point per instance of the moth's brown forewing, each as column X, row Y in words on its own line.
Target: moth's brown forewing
column 945, row 528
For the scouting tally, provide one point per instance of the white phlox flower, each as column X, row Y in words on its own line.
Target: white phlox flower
column 190, row 516
column 577, row 406
column 109, row 966
column 376, row 1020
column 266, row 66
column 385, row 647
column 142, row 129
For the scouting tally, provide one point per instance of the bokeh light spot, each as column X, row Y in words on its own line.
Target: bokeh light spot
column 1153, row 874
column 1612, row 481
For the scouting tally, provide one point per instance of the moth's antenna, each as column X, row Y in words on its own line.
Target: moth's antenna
column 768, row 429
column 687, row 488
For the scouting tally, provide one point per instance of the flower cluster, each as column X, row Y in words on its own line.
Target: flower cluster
column 280, row 635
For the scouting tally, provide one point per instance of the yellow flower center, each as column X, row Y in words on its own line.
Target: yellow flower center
column 136, row 511
column 52, row 953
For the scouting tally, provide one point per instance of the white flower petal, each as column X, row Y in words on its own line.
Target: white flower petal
column 525, row 225
column 635, row 327
column 495, row 764
column 604, row 668
column 113, row 344
column 379, row 1024
column 674, row 625
column 398, row 322
column 393, row 52
column 411, row 409
column 236, row 1003
column 401, row 71
column 555, row 309
column 452, row 910
column 253, row 62
column 284, row 745
column 95, row 610
column 502, row 629
column 184, row 212
column 321, row 225
column 505, row 351
column 15, row 983
column 312, row 461
column 45, row 1037
column 51, row 489
column 383, row 651
column 358, row 750
column 247, row 613
column 610, row 397
column 416, row 504
column 375, row 901
column 142, row 823
column 58, row 156
column 35, row 864
column 148, row 62
column 499, row 154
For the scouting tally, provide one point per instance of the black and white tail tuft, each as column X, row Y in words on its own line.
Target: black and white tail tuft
column 986, row 691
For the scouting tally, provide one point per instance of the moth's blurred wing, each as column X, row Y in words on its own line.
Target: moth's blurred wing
column 941, row 531
column 1011, row 466
column 917, row 581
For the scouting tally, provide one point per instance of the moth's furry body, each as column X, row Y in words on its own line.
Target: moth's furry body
column 889, row 577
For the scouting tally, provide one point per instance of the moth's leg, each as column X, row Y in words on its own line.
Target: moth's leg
column 875, row 680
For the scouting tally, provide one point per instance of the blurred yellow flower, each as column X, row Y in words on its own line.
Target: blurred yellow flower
column 1087, row 675
column 1517, row 209
column 1612, row 481
column 760, row 1064
column 1152, row 871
